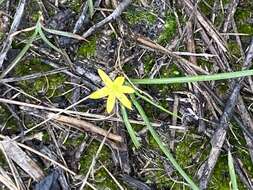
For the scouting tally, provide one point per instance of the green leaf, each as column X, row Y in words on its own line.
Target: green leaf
column 165, row 150
column 20, row 55
column 62, row 33
column 198, row 78
column 129, row 127
column 44, row 38
column 156, row 105
column 91, row 8
column 232, row 171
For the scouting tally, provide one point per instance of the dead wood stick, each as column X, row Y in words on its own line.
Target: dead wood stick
column 243, row 174
column 220, row 134
column 14, row 27
column 84, row 16
column 155, row 46
column 40, row 154
column 6, row 180
column 25, row 106
column 208, row 26
column 191, row 48
column 33, row 76
column 84, row 125
column 190, row 41
column 14, row 152
column 115, row 14
column 231, row 11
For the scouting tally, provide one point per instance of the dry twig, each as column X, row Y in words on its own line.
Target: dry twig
column 14, row 27
column 220, row 134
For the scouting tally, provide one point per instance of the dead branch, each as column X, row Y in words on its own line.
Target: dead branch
column 220, row 134
column 115, row 14
column 208, row 26
column 13, row 151
column 14, row 27
column 84, row 125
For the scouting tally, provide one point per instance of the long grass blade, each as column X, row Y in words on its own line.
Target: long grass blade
column 156, row 105
column 63, row 33
column 129, row 127
column 198, row 78
column 91, row 8
column 165, row 150
column 20, row 55
column 44, row 38
column 232, row 171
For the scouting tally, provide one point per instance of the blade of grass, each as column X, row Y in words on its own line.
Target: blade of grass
column 129, row 127
column 165, row 150
column 156, row 105
column 198, row 78
column 91, row 8
column 63, row 33
column 44, row 38
column 20, row 55
column 232, row 171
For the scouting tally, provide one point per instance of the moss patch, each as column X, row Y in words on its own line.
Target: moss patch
column 169, row 30
column 75, row 5
column 101, row 178
column 46, row 85
column 243, row 15
column 88, row 49
column 134, row 16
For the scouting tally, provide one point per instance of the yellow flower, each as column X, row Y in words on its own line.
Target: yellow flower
column 113, row 89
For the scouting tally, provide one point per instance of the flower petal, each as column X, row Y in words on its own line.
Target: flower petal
column 103, row 92
column 124, row 100
column 119, row 81
column 110, row 103
column 105, row 78
column 126, row 89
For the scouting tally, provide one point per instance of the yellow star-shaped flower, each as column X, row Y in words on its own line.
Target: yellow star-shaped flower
column 113, row 89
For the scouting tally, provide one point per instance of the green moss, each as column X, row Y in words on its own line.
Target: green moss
column 220, row 178
column 75, row 141
column 158, row 176
column 102, row 179
column 1, row 35
column 35, row 16
column 242, row 14
column 88, row 49
column 47, row 84
column 171, row 71
column 75, row 5
column 240, row 147
column 246, row 28
column 206, row 7
column 222, row 87
column 45, row 137
column 205, row 63
column 234, row 49
column 149, row 61
column 135, row 16
column 186, row 150
column 169, row 30
column 104, row 156
column 3, row 113
column 8, row 120
column 242, row 17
